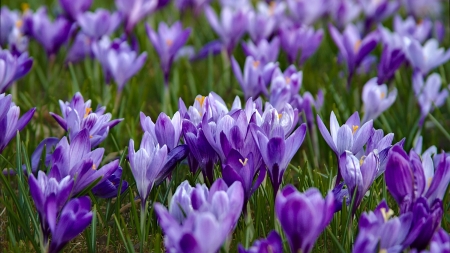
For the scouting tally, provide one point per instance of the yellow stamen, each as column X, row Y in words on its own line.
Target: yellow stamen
column 272, row 6
column 357, row 46
column 25, row 7
column 429, row 181
column 169, row 42
column 87, row 111
column 201, row 100
column 243, row 162
column 354, row 128
column 19, row 23
column 382, row 95
column 386, row 215
column 288, row 80
column 280, row 115
column 94, row 167
column 90, row 136
column 382, row 251
column 255, row 64
column 361, row 161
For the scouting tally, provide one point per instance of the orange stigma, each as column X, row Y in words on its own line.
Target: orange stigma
column 201, row 100
column 255, row 64
column 169, row 42
column 382, row 95
column 354, row 128
column 243, row 162
column 357, row 46
column 87, row 112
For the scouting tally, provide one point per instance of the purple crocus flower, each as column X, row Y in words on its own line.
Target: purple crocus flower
column 110, row 187
column 230, row 28
column 167, row 42
column 195, row 5
column 166, row 131
column 426, row 58
column 277, row 151
column 255, row 78
column 74, row 218
column 440, row 243
column 10, row 122
column 358, row 175
column 263, row 51
column 353, row 48
column 303, row 216
column 428, row 94
column 80, row 49
column 376, row 99
column 351, row 136
column 262, row 23
column 212, row 105
column 49, row 196
column 12, row 68
column 135, row 10
column 343, row 11
column 377, row 10
column 74, row 9
column 423, row 8
column 51, row 35
column 146, row 164
column 408, row 179
column 296, row 39
column 78, row 161
column 78, row 115
column 99, row 23
column 118, row 60
column 307, row 12
column 49, row 144
column 381, row 144
column 199, row 220
column 271, row 244
column 392, row 56
column 408, row 27
column 8, row 20
column 379, row 231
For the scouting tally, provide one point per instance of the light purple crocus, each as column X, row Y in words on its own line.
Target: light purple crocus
column 440, row 243
column 272, row 244
column 408, row 178
column 49, row 196
column 263, row 22
column 135, row 10
column 230, row 28
column 146, row 164
column 112, row 186
column 351, row 136
column 303, row 216
column 303, row 40
column 78, row 115
column 74, row 218
column 376, row 99
column 80, row 49
column 343, row 11
column 307, row 12
column 379, row 231
column 377, row 10
column 10, row 122
column 73, row 9
column 165, row 130
column 423, row 8
column 263, row 51
column 353, row 47
column 167, row 42
column 277, row 150
column 255, row 78
column 408, row 27
column 99, row 23
column 427, row 57
column 392, row 57
column 78, row 161
column 429, row 94
column 8, row 20
column 13, row 68
column 199, row 219
column 51, row 35
column 118, row 60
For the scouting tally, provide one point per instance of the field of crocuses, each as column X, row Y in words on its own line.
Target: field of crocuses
column 225, row 126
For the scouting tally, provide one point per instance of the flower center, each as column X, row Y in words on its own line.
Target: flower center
column 87, row 112
column 288, row 80
column 386, row 215
column 243, row 162
column 382, row 95
column 201, row 100
column 169, row 42
column 25, row 7
column 280, row 115
column 272, row 6
column 94, row 167
column 361, row 161
column 357, row 46
column 354, row 129
column 19, row 23
column 255, row 64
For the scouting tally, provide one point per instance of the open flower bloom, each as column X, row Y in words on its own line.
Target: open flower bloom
column 303, row 216
column 8, row 19
column 74, row 9
column 167, row 42
column 408, row 27
column 307, row 12
column 272, row 244
column 135, row 10
column 376, row 99
column 379, row 231
column 212, row 105
column 10, row 122
column 12, row 68
column 78, row 115
column 428, row 94
column 351, row 136
column 262, row 23
column 303, row 40
column 99, row 23
column 51, row 35
column 378, row 10
column 263, row 51
column 343, row 11
column 78, row 161
column 423, row 8
column 111, row 187
column 199, row 219
column 231, row 26
column 408, row 178
column 166, row 131
column 146, row 164
column 392, row 57
column 427, row 57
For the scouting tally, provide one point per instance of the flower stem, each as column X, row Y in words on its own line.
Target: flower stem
column 143, row 216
